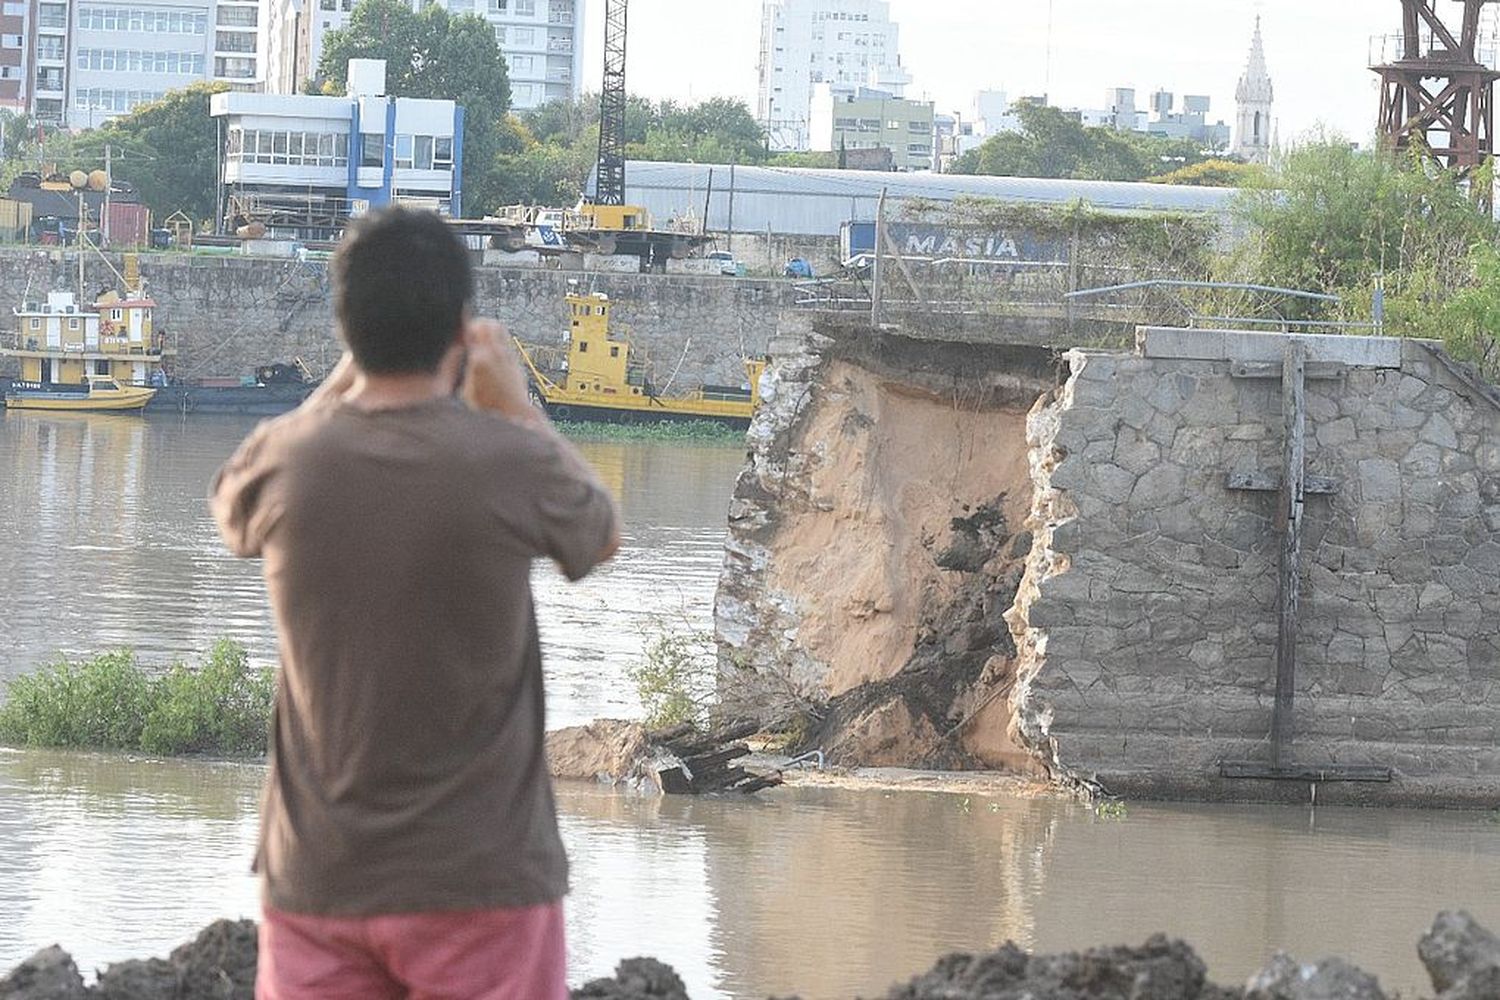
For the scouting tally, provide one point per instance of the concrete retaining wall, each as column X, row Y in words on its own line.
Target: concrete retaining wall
column 1147, row 618
column 228, row 314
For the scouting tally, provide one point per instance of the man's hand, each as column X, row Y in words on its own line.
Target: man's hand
column 493, row 378
column 335, row 384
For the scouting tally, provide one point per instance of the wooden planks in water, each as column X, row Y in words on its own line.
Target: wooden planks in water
column 707, row 760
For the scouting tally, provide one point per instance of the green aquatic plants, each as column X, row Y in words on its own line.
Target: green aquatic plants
column 109, row 702
column 692, row 431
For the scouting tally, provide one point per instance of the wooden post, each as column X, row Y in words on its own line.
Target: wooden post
column 879, row 275
column 1289, row 526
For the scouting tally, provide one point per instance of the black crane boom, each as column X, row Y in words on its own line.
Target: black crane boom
column 609, row 182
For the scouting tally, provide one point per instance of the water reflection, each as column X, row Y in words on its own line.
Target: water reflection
column 107, row 542
column 822, row 892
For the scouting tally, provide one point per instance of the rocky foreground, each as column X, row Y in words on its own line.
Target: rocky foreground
column 1462, row 958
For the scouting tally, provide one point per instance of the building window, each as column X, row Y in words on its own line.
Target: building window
column 234, row 41
column 233, row 67
column 10, row 41
column 442, row 153
column 520, row 64
column 526, row 8
column 49, row 47
column 237, row 17
column 118, row 18
column 53, row 15
column 403, row 152
column 523, row 36
column 372, row 151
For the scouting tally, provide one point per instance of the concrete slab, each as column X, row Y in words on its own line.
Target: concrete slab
column 1177, row 343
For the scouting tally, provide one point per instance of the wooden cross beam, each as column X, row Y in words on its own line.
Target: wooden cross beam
column 1292, row 489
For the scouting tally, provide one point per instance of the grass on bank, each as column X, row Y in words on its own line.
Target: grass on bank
column 695, row 431
column 223, row 706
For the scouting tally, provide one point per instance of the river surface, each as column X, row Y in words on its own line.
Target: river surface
column 104, row 541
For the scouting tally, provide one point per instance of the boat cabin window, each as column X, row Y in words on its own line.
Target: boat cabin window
column 106, row 383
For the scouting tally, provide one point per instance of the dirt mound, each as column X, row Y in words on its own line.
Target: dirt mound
column 609, row 750
column 960, row 665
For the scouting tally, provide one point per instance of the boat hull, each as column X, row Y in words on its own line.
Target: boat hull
column 256, row 400
column 99, row 401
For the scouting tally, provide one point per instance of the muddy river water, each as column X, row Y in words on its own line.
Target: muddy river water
column 104, row 542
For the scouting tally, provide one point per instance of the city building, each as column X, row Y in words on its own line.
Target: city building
column 542, row 41
column 867, row 118
column 1190, row 123
column 97, row 59
column 303, row 164
column 842, row 44
column 15, row 30
column 1254, row 97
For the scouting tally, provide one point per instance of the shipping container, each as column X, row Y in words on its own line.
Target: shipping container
column 129, row 225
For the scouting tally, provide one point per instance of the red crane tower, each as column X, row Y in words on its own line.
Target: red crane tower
column 1440, row 100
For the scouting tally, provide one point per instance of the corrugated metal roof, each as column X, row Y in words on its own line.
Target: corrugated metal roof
column 808, row 201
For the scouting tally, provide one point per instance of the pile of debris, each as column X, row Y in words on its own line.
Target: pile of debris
column 680, row 760
column 1462, row 958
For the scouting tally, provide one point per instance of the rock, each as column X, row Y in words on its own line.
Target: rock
column 1331, row 979
column 1158, row 970
column 219, row 964
column 1482, row 984
column 151, row 979
column 636, row 979
column 1457, row 948
column 609, row 750
column 50, row 974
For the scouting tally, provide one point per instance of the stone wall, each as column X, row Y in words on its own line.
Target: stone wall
column 874, row 546
column 1147, row 620
column 230, row 313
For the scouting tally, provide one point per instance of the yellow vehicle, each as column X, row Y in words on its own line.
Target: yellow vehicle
column 598, row 379
column 97, row 392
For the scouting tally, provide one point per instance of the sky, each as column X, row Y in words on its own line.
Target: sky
column 1318, row 52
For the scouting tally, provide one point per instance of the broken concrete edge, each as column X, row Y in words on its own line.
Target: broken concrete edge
column 1183, row 344
column 1461, row 956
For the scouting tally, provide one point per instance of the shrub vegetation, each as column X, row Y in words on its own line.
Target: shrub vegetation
column 223, row 706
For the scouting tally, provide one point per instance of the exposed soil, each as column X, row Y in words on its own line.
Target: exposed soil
column 902, row 563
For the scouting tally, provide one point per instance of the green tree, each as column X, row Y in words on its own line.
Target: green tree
column 1213, row 173
column 433, row 54
column 168, row 149
column 1055, row 143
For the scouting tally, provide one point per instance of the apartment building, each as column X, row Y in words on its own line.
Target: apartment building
column 845, row 44
column 92, row 60
column 15, row 28
column 873, row 119
column 540, row 39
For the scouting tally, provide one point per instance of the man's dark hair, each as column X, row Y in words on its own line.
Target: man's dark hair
column 401, row 281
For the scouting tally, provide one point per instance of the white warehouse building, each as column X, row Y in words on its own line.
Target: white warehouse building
column 303, row 164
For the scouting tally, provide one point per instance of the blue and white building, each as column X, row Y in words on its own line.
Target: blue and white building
column 303, row 164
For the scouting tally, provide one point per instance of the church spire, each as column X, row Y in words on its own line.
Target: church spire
column 1254, row 96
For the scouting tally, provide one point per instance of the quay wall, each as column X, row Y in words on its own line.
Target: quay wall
column 227, row 314
column 1076, row 583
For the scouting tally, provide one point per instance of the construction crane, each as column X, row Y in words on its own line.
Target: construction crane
column 1453, row 120
column 607, row 225
column 609, row 182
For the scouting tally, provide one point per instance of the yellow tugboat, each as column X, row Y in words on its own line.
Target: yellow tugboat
column 599, row 380
column 71, row 359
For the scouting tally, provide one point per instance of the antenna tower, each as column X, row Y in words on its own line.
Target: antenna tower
column 1438, row 95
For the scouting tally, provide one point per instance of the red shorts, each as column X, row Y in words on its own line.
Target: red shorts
column 499, row 954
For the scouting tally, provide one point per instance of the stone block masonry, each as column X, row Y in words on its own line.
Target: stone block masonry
column 1146, row 621
column 228, row 314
